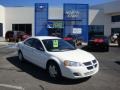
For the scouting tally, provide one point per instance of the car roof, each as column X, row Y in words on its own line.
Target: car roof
column 45, row 37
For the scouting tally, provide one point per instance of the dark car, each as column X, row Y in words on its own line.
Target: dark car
column 99, row 43
column 15, row 36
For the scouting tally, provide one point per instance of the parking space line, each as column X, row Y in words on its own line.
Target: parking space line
column 11, row 86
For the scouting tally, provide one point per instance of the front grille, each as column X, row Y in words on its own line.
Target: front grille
column 91, row 64
column 94, row 61
column 95, row 65
column 87, row 63
column 90, row 67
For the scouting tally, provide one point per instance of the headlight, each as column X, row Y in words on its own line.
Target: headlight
column 71, row 63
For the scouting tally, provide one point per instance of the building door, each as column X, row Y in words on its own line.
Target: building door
column 1, row 29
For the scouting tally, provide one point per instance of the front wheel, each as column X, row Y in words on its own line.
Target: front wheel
column 54, row 70
column 20, row 56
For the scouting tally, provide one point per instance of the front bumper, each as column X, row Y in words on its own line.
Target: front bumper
column 79, row 72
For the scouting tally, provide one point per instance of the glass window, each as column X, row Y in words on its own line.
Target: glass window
column 57, row 45
column 29, row 42
column 37, row 44
column 115, row 30
column 15, row 27
column 96, row 30
column 22, row 27
column 27, row 28
column 115, row 18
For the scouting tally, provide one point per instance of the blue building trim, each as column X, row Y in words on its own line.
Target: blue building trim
column 82, row 19
column 87, row 38
column 41, row 19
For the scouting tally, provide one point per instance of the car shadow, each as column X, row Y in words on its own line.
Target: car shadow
column 41, row 74
column 87, row 48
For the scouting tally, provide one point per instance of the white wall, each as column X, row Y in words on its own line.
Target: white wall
column 107, row 25
column 19, row 15
column 112, row 7
column 97, row 17
column 2, row 14
column 2, row 18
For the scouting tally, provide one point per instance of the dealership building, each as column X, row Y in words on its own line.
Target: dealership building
column 81, row 20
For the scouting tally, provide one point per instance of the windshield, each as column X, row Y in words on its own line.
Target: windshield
column 57, row 45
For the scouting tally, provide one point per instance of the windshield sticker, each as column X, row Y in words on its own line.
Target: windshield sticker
column 55, row 43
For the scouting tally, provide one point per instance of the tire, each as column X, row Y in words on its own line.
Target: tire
column 106, row 48
column 20, row 56
column 8, row 40
column 54, row 70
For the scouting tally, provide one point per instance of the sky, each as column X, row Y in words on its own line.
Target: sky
column 51, row 2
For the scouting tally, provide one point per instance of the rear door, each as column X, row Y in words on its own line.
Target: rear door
column 27, row 49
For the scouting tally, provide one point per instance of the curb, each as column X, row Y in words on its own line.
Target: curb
column 6, row 43
column 110, row 44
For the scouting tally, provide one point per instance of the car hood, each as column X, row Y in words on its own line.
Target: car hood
column 77, row 55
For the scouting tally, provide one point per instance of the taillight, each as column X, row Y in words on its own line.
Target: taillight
column 98, row 40
column 68, row 39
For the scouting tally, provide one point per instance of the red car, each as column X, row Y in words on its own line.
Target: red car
column 16, row 36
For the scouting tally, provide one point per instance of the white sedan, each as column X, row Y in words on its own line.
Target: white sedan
column 58, row 57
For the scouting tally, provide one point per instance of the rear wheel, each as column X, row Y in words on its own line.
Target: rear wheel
column 54, row 70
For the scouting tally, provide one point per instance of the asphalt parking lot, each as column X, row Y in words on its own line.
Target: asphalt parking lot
column 26, row 76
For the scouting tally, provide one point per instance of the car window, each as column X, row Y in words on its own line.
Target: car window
column 37, row 44
column 29, row 42
column 57, row 45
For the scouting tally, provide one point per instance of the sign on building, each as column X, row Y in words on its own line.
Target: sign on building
column 77, row 31
column 76, row 15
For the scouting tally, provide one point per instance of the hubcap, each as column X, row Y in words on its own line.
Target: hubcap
column 52, row 71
